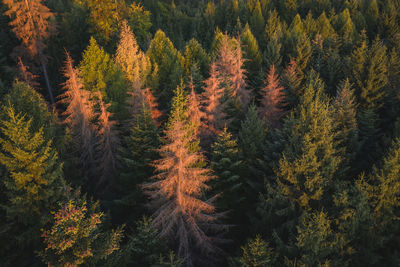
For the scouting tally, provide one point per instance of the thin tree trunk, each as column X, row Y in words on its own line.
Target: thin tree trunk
column 46, row 77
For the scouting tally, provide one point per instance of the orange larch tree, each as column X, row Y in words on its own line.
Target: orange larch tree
column 79, row 112
column 30, row 23
column 211, row 101
column 177, row 194
column 26, row 76
column 272, row 101
column 107, row 145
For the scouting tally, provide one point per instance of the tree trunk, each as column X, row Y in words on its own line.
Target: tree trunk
column 46, row 77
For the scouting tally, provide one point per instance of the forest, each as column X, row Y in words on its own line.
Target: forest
column 200, row 133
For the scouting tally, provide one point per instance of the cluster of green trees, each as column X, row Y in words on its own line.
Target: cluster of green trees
column 200, row 133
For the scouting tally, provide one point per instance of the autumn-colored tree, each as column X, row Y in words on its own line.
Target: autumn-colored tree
column 273, row 97
column 133, row 62
column 211, row 100
column 79, row 112
column 291, row 80
column 176, row 195
column 151, row 102
column 230, row 67
column 31, row 24
column 26, row 76
column 195, row 112
column 77, row 237
column 238, row 77
column 107, row 144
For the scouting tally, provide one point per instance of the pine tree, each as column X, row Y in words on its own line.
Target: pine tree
column 251, row 146
column 345, row 120
column 167, row 63
column 291, row 80
column 273, row 98
column 195, row 55
column 251, row 53
column 133, row 62
column 35, row 175
column 318, row 242
column 76, row 236
column 303, row 54
column 138, row 151
column 373, row 92
column 79, row 112
column 176, row 194
column 31, row 24
column 226, row 166
column 26, row 100
column 310, row 160
column 324, row 27
column 32, row 184
column 257, row 253
column 381, row 189
column 100, row 73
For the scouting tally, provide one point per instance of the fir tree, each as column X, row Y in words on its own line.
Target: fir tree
column 273, row 98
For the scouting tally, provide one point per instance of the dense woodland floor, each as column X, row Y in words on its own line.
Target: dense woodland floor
column 200, row 133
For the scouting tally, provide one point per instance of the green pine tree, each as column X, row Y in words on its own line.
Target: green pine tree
column 136, row 155
column 310, row 160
